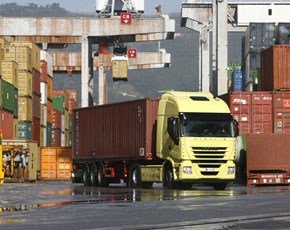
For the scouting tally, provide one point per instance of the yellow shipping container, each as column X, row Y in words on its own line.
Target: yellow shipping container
column 2, row 57
column 35, row 52
column 120, row 69
column 1, row 93
column 22, row 55
column 24, row 83
column 41, row 137
column 24, row 109
column 15, row 129
column 49, row 88
column 3, row 42
column 9, row 72
column 66, row 138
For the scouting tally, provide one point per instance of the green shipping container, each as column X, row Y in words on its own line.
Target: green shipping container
column 16, row 103
column 8, row 97
column 70, row 139
column 24, row 130
column 58, row 103
column 70, row 123
column 49, row 135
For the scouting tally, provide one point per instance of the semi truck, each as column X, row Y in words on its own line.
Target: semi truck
column 178, row 140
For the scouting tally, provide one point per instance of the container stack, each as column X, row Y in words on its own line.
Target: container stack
column 64, row 101
column 259, row 37
column 231, row 69
column 46, row 72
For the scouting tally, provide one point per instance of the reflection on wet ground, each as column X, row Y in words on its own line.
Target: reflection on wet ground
column 78, row 194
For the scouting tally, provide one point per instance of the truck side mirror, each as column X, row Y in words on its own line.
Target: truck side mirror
column 173, row 129
column 236, row 128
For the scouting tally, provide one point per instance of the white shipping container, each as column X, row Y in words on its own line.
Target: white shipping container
column 62, row 139
column 44, row 137
column 63, row 123
column 43, row 92
column 45, row 56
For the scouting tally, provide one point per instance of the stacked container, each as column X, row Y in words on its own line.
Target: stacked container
column 284, row 33
column 231, row 68
column 259, row 37
column 46, row 73
column 237, row 81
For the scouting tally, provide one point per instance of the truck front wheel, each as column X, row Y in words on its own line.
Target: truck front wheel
column 168, row 179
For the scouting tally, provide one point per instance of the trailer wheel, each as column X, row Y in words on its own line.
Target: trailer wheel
column 93, row 175
column 220, row 186
column 102, row 182
column 134, row 179
column 168, row 179
column 86, row 180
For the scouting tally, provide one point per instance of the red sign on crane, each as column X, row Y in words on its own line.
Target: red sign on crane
column 132, row 53
column 126, row 18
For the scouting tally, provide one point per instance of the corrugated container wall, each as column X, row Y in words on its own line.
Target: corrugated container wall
column 36, row 106
column 3, row 42
column 58, row 103
column 49, row 134
column 21, row 55
column 36, row 81
column 43, row 114
column 25, row 109
column 9, row 72
column 15, row 129
column 49, row 111
column 2, row 57
column 24, row 83
column 25, row 130
column 36, row 130
column 65, row 95
column 43, row 137
column 281, row 104
column 45, row 56
column 8, row 96
column 56, row 138
column 43, row 71
column 63, row 139
column 124, row 130
column 6, row 124
column 43, row 91
column 237, row 80
column 276, row 68
column 56, row 119
column 49, row 88
column 15, row 102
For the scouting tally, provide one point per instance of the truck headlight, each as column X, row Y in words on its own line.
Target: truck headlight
column 187, row 170
column 231, row 170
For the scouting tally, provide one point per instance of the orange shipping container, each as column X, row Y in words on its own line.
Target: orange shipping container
column 49, row 88
column 56, row 163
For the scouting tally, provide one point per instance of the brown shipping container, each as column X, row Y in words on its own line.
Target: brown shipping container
column 36, row 130
column 281, row 104
column 36, row 81
column 43, row 71
column 72, row 105
column 73, row 94
column 276, row 68
column 36, row 105
column 56, row 163
column 66, row 96
column 56, row 138
column 7, row 124
column 56, row 119
column 49, row 111
column 268, row 155
column 126, row 130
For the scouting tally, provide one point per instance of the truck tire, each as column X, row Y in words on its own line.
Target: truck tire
column 93, row 175
column 86, row 180
column 135, row 176
column 168, row 179
column 101, row 181
column 220, row 186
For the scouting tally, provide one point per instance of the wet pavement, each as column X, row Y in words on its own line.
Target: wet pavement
column 62, row 205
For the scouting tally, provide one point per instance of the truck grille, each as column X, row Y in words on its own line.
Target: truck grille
column 209, row 159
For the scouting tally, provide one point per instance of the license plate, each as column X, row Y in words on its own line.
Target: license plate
column 210, row 169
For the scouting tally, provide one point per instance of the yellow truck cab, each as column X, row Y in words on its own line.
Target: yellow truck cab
column 196, row 139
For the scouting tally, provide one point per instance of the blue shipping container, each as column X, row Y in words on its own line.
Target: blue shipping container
column 237, row 81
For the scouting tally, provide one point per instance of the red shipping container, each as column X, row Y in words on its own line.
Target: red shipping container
column 43, row 71
column 36, row 106
column 281, row 104
column 36, row 130
column 126, row 130
column 275, row 71
column 36, row 81
column 56, row 138
column 6, row 124
column 65, row 94
column 56, row 119
column 73, row 94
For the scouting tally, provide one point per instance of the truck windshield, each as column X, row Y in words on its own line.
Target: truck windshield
column 206, row 125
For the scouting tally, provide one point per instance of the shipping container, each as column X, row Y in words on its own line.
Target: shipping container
column 21, row 55
column 252, row 67
column 43, row 71
column 9, row 72
column 15, row 129
column 24, row 130
column 70, row 140
column 45, row 56
column 66, row 138
column 49, row 135
column 281, row 108
column 63, row 139
column 25, row 109
column 36, row 81
column 43, row 115
column 2, row 57
column 284, row 33
column 43, row 92
column 56, row 138
column 24, row 83
column 56, row 163
column 268, row 159
column 93, row 128
column 237, row 80
column 58, row 103
column 66, row 120
column 66, row 97
column 56, row 119
column 3, row 42
column 6, row 124
column 70, row 123
column 276, row 68
column 36, row 130
column 253, row 111
column 72, row 105
column 43, row 137
column 49, row 88
column 36, row 106
column 15, row 103
column 35, row 52
column 8, row 96
column 49, row 111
